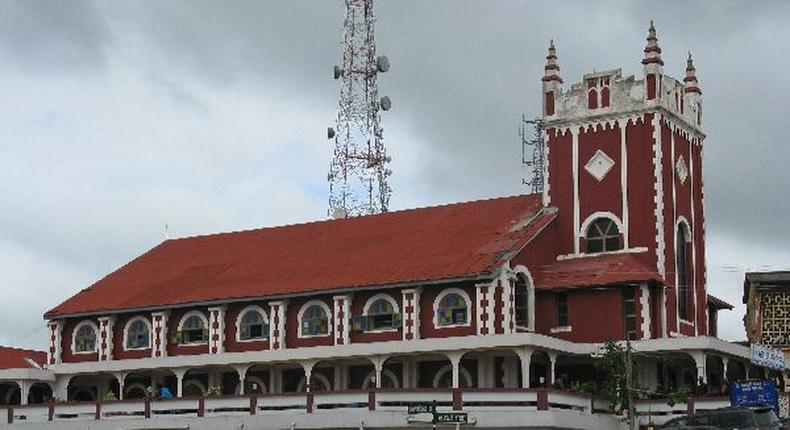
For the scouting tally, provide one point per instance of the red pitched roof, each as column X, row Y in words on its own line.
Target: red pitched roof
column 719, row 303
column 457, row 241
column 595, row 270
column 13, row 358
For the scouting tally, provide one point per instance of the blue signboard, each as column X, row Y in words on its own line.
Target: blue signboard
column 754, row 393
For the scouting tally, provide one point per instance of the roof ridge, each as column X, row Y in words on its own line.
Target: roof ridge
column 13, row 348
column 338, row 220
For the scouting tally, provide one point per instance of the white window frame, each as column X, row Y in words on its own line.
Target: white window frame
column 330, row 321
column 184, row 319
column 374, row 299
column 595, row 217
column 126, row 328
column 238, row 324
column 74, row 338
column 438, row 300
column 530, row 297
column 681, row 220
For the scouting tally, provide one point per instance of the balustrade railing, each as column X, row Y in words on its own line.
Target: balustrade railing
column 394, row 400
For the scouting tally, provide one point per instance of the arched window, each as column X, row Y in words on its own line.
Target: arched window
column 602, row 235
column 252, row 324
column 684, row 290
column 451, row 308
column 314, row 319
column 138, row 334
column 380, row 313
column 444, row 377
column 592, row 98
column 522, row 301
column 193, row 329
column 85, row 338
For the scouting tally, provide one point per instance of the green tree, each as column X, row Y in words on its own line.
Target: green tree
column 615, row 366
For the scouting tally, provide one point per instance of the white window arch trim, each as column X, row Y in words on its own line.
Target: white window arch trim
column 330, row 322
column 522, row 270
column 444, row 294
column 374, row 299
column 195, row 383
column 683, row 222
column 301, row 386
column 596, row 216
column 135, row 385
column 238, row 323
column 126, row 333
column 184, row 319
column 368, row 383
column 462, row 372
column 74, row 337
column 252, row 380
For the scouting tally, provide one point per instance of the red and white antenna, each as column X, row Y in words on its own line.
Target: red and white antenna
column 358, row 172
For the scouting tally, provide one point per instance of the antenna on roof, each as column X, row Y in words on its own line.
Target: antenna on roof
column 167, row 233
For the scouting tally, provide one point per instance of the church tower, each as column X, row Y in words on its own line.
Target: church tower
column 624, row 168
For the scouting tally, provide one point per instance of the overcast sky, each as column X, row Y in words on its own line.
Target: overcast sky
column 117, row 117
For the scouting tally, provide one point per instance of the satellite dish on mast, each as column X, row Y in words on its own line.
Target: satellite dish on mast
column 382, row 64
column 337, row 72
column 386, row 103
column 330, row 132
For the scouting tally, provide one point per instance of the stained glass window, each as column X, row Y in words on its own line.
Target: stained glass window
column 138, row 335
column 452, row 310
column 85, row 339
column 315, row 321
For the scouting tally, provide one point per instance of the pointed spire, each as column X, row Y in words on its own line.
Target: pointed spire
column 690, row 81
column 552, row 69
column 652, row 50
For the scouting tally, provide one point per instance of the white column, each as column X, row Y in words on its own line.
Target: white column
column 378, row 365
column 275, row 380
column 411, row 313
column 406, row 378
column 105, row 337
column 121, row 378
column 308, row 373
column 277, row 324
column 216, row 331
column 61, row 391
column 725, row 362
column 55, row 329
column 699, row 360
column 553, row 371
column 160, row 334
column 24, row 391
column 341, row 314
column 455, row 361
column 525, row 357
column 180, row 373
column 242, row 371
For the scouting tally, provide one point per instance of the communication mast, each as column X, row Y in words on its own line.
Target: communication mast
column 534, row 162
column 358, row 172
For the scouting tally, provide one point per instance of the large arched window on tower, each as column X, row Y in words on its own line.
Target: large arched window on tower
column 602, row 235
column 684, row 289
column 522, row 301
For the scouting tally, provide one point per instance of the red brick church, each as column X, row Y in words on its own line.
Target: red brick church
column 470, row 302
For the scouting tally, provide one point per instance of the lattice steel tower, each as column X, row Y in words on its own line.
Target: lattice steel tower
column 535, row 161
column 358, row 172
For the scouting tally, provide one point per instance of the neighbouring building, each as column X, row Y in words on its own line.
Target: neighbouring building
column 767, row 299
column 478, row 302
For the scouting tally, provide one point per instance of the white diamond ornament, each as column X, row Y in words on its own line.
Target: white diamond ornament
column 599, row 165
column 682, row 170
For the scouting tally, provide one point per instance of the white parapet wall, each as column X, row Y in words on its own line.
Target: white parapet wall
column 501, row 409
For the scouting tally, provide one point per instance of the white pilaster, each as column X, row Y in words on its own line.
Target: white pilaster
column 216, row 331
column 411, row 314
column 277, row 320
column 525, row 357
column 160, row 334
column 54, row 354
column 106, row 337
column 342, row 313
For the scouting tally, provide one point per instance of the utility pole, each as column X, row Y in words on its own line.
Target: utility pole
column 629, row 389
